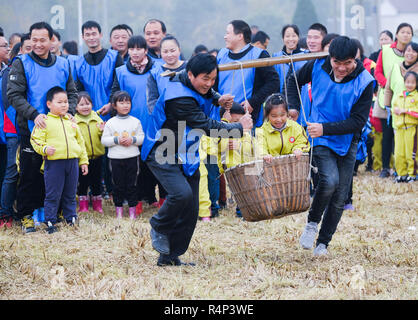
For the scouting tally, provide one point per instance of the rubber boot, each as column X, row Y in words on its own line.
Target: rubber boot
column 119, row 212
column 97, row 204
column 132, row 213
column 83, row 204
column 138, row 208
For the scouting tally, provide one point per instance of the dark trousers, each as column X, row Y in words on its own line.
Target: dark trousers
column 335, row 174
column 31, row 187
column 146, row 185
column 61, row 178
column 178, row 216
column 9, row 187
column 388, row 139
column 213, row 183
column 222, row 190
column 93, row 179
column 350, row 190
column 106, row 173
column 3, row 162
column 124, row 175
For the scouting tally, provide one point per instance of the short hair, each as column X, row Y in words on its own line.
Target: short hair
column 200, row 49
column 302, row 42
column 84, row 95
column 54, row 91
column 359, row 47
column 90, row 25
column 274, row 100
column 328, row 39
column 343, row 48
column 413, row 45
column 163, row 28
column 202, row 63
column 71, row 47
column 42, row 25
column 57, row 34
column 403, row 25
column 137, row 42
column 293, row 26
column 121, row 27
column 260, row 36
column 414, row 74
column 242, row 27
column 121, row 96
column 13, row 35
column 24, row 37
column 214, row 51
column 235, row 109
column 170, row 37
column 388, row 33
column 319, row 27
column 1, row 32
column 15, row 51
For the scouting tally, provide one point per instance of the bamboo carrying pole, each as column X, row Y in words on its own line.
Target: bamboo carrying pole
column 263, row 62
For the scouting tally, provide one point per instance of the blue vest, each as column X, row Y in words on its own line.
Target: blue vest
column 136, row 86
column 2, row 134
column 305, row 106
column 72, row 59
column 98, row 79
column 188, row 151
column 283, row 69
column 156, row 61
column 40, row 79
column 332, row 102
column 225, row 78
column 362, row 144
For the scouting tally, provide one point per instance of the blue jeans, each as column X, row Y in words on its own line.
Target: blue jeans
column 335, row 174
column 9, row 187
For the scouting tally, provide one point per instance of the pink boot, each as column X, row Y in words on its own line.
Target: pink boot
column 132, row 214
column 83, row 204
column 97, row 204
column 119, row 212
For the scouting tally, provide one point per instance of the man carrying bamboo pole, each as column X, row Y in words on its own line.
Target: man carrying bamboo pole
column 342, row 92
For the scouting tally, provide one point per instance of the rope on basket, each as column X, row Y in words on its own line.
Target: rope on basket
column 315, row 169
column 261, row 182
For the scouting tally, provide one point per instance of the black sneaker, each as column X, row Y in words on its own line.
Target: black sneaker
column 28, row 225
column 160, row 242
column 72, row 222
column 401, row 179
column 410, row 179
column 165, row 260
column 51, row 228
column 385, row 173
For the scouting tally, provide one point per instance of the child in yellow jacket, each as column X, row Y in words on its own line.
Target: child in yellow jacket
column 62, row 145
column 204, row 197
column 405, row 123
column 235, row 151
column 280, row 135
column 91, row 126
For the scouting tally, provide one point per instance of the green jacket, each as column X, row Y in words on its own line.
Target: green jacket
column 91, row 127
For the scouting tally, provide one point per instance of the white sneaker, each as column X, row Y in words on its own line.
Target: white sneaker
column 320, row 250
column 308, row 236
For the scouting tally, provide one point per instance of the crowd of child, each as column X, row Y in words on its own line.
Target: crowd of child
column 98, row 136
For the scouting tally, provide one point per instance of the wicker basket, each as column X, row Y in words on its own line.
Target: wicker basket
column 270, row 191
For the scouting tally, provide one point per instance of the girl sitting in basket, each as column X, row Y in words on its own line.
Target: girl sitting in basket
column 279, row 135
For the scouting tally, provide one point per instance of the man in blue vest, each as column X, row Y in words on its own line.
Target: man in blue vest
column 170, row 150
column 119, row 36
column 342, row 92
column 30, row 78
column 154, row 31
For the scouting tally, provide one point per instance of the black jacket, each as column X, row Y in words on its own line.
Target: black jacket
column 359, row 112
column 17, row 88
column 187, row 109
column 266, row 82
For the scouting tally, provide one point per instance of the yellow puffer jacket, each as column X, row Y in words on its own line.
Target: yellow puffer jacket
column 62, row 134
column 408, row 103
column 91, row 127
column 236, row 151
column 270, row 141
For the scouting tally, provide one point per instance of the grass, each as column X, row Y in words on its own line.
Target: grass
column 373, row 255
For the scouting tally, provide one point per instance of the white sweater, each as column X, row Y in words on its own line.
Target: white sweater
column 122, row 126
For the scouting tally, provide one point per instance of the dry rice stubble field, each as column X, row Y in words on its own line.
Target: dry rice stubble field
column 373, row 255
